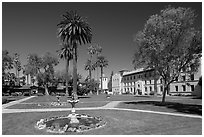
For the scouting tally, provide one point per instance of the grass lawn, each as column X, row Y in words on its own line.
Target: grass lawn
column 118, row 122
column 90, row 98
column 48, row 105
column 7, row 99
column 179, row 105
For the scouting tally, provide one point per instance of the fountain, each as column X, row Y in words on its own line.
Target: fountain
column 72, row 122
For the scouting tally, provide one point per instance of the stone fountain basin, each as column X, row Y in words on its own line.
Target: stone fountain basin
column 61, row 124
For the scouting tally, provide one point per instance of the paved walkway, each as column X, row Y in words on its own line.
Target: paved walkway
column 109, row 106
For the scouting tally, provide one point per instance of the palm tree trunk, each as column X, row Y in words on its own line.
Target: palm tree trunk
column 90, row 80
column 67, row 77
column 101, row 79
column 74, row 93
column 97, row 81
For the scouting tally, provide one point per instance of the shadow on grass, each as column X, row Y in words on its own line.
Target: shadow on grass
column 179, row 107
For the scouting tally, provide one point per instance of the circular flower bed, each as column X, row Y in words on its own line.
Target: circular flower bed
column 61, row 124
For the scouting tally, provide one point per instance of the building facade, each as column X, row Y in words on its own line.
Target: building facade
column 104, row 83
column 146, row 82
column 116, row 84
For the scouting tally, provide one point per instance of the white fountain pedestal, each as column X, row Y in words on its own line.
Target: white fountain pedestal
column 74, row 119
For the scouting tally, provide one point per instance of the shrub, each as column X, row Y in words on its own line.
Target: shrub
column 40, row 94
column 26, row 94
column 4, row 101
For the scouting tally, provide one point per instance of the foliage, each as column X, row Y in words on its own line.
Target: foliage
column 17, row 65
column 46, row 75
column 7, row 61
column 34, row 63
column 101, row 62
column 7, row 64
column 90, row 86
column 110, row 82
column 66, row 53
column 169, row 43
column 74, row 30
column 42, row 68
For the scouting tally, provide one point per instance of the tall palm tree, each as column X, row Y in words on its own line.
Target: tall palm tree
column 91, row 52
column 74, row 30
column 89, row 66
column 65, row 52
column 98, row 53
column 102, row 62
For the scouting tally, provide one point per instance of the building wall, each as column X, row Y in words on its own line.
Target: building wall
column 105, row 83
column 138, row 82
column 145, row 82
column 186, row 83
column 116, row 84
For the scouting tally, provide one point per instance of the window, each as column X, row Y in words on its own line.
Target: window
column 184, row 87
column 176, row 87
column 138, row 85
column 145, row 75
column 192, row 87
column 161, row 80
column 161, row 88
column 134, row 77
column 150, row 88
column 184, row 78
column 192, row 77
column 130, row 77
column 145, row 88
column 145, row 82
column 150, row 81
column 176, row 79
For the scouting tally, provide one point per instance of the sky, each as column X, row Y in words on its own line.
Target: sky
column 31, row 27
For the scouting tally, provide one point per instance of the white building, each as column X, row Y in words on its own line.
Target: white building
column 104, row 83
column 116, row 83
column 145, row 82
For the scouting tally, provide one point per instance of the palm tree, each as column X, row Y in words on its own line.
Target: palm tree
column 98, row 53
column 89, row 67
column 74, row 30
column 66, row 53
column 102, row 62
column 91, row 52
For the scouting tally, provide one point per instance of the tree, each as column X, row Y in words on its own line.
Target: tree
column 110, row 82
column 89, row 66
column 101, row 62
column 42, row 68
column 46, row 76
column 169, row 44
column 17, row 65
column 98, row 53
column 74, row 30
column 66, row 53
column 7, row 64
column 91, row 52
column 33, row 66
